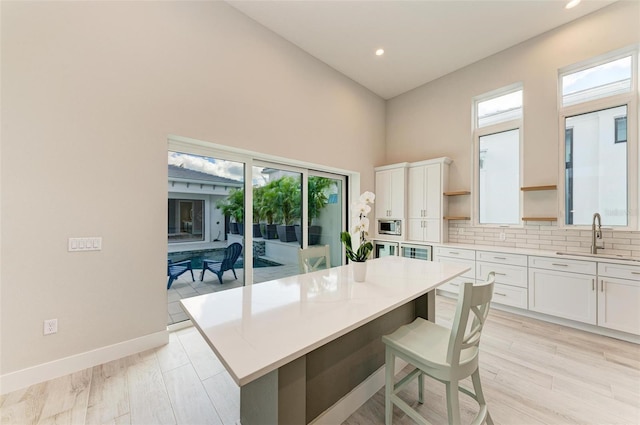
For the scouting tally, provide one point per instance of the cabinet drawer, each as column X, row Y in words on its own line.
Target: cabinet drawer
column 505, row 274
column 501, row 258
column 509, row 295
column 622, row 271
column 467, row 254
column 454, row 284
column 564, row 265
column 471, row 274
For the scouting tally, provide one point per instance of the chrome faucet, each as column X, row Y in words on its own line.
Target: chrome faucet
column 596, row 234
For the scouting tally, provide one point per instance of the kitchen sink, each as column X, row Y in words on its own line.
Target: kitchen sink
column 604, row 256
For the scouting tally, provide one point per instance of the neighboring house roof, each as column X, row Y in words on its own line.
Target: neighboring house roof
column 176, row 172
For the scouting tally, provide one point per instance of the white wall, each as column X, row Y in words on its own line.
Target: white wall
column 435, row 120
column 90, row 91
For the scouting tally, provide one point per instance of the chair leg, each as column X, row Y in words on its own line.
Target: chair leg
column 421, row 388
column 477, row 388
column 390, row 360
column 170, row 282
column 193, row 279
column 234, row 273
column 202, row 273
column 219, row 277
column 453, row 403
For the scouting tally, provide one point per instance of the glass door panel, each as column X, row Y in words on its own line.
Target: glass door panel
column 205, row 217
column 277, row 209
column 326, row 213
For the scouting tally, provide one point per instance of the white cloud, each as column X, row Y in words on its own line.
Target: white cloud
column 216, row 167
column 221, row 168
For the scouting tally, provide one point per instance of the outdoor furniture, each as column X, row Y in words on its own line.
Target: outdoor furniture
column 447, row 355
column 314, row 258
column 231, row 254
column 174, row 270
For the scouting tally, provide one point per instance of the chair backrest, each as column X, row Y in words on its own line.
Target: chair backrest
column 231, row 254
column 465, row 339
column 314, row 258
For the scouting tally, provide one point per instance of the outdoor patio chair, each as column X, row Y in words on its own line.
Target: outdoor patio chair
column 174, row 270
column 231, row 254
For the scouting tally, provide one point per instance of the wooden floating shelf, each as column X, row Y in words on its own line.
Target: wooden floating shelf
column 457, row 192
column 456, row 218
column 539, row 219
column 547, row 187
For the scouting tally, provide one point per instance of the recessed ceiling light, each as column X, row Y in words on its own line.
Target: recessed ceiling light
column 572, row 4
column 380, row 52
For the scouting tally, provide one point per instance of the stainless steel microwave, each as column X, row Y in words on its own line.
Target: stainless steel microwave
column 390, row 227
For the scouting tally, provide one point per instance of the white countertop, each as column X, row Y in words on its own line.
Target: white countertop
column 258, row 328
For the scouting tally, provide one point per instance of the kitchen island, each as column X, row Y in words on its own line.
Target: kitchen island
column 297, row 345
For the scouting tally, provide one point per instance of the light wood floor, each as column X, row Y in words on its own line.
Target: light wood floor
column 532, row 373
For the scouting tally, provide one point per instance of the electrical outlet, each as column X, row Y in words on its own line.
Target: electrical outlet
column 461, row 230
column 503, row 236
column 50, row 326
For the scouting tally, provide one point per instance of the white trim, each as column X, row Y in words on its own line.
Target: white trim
column 351, row 402
column 43, row 372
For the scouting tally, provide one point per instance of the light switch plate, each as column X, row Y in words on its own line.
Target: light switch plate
column 85, row 244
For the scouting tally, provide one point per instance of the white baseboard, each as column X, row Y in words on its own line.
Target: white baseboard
column 351, row 402
column 46, row 371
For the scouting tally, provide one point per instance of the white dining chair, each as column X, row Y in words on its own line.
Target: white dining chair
column 314, row 258
column 447, row 355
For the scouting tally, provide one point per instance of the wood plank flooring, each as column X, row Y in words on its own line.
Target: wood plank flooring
column 532, row 372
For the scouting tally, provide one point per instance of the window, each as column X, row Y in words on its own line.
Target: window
column 497, row 139
column 186, row 222
column 596, row 103
column 620, row 130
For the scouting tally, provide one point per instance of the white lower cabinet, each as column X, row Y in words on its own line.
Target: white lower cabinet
column 562, row 294
column 619, row 297
column 464, row 257
column 603, row 294
column 511, row 276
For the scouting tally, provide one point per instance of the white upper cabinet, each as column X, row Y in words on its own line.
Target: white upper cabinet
column 426, row 184
column 390, row 189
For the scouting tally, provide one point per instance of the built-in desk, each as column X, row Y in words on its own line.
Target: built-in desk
column 296, row 345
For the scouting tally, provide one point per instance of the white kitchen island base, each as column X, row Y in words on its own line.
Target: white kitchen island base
column 297, row 345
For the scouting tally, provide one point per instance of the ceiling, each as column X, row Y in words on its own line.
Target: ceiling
column 423, row 40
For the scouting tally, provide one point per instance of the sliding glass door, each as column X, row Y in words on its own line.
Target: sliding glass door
column 212, row 220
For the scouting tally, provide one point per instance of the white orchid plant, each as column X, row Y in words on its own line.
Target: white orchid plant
column 360, row 229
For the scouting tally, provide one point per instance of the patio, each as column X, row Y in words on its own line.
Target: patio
column 183, row 287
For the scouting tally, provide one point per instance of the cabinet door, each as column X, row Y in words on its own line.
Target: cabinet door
column 416, row 229
column 396, row 193
column 433, row 192
column 619, row 304
column 416, row 192
column 568, row 295
column 382, row 194
column 432, row 230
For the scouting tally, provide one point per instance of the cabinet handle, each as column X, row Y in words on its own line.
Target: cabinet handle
column 635, row 272
column 454, row 253
column 500, row 274
column 602, row 285
column 499, row 258
column 593, row 284
column 455, row 284
column 501, row 294
column 560, row 264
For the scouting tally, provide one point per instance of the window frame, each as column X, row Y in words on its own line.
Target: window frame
column 516, row 124
column 630, row 100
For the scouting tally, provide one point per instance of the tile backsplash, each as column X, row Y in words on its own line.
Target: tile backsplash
column 545, row 236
